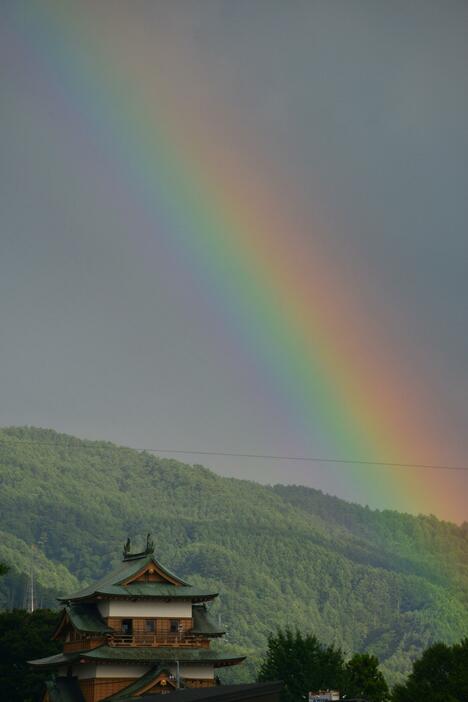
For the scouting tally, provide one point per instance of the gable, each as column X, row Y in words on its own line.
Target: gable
column 63, row 627
column 153, row 572
column 163, row 683
column 80, row 618
column 157, row 679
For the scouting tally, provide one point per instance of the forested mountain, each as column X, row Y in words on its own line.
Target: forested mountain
column 382, row 582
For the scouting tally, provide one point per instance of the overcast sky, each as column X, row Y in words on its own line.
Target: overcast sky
column 359, row 108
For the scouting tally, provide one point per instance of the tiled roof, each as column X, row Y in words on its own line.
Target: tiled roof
column 86, row 617
column 67, row 690
column 140, row 655
column 254, row 692
column 203, row 623
column 52, row 661
column 113, row 584
column 130, row 690
column 147, row 654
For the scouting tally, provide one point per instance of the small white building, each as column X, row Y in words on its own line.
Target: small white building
column 324, row 696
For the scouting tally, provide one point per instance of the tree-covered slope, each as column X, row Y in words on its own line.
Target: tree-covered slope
column 280, row 556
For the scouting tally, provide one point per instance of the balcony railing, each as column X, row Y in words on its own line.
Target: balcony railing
column 184, row 640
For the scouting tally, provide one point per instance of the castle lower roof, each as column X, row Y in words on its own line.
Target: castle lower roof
column 68, row 690
column 138, row 684
column 246, row 692
column 140, row 656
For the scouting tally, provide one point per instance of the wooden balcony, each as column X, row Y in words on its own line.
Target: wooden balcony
column 184, row 640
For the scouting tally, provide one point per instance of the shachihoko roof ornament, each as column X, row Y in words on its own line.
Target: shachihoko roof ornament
column 128, row 556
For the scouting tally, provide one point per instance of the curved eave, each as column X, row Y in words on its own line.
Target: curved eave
column 160, row 656
column 208, row 634
column 53, row 661
column 216, row 663
column 99, row 596
column 230, row 661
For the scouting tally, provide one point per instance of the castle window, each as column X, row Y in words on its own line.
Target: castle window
column 174, row 626
column 127, row 626
column 149, row 626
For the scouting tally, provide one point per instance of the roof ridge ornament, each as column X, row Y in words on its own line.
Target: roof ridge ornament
column 149, row 550
column 149, row 544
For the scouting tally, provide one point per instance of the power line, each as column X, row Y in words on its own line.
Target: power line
column 264, row 456
column 312, row 459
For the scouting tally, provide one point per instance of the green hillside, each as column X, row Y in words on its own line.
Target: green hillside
column 379, row 581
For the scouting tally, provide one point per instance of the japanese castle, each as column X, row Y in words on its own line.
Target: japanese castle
column 140, row 630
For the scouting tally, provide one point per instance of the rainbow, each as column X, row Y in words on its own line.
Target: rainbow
column 296, row 315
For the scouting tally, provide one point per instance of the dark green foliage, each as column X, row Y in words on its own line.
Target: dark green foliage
column 440, row 675
column 23, row 637
column 363, row 679
column 381, row 582
column 302, row 664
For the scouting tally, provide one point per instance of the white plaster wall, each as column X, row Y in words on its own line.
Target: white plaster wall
column 112, row 670
column 123, row 608
column 84, row 671
column 192, row 670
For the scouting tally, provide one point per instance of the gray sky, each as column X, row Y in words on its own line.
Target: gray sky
column 360, row 107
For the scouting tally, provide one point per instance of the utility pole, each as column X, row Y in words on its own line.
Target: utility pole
column 30, row 599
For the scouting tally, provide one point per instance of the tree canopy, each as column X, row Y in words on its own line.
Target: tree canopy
column 24, row 636
column 302, row 663
column 363, row 679
column 305, row 665
column 439, row 675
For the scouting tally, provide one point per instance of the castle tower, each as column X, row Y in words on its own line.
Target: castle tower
column 139, row 630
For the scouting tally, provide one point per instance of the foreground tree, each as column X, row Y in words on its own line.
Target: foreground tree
column 440, row 675
column 24, row 636
column 302, row 663
column 363, row 678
